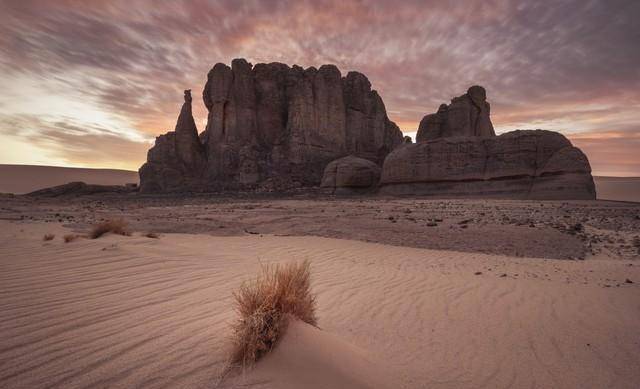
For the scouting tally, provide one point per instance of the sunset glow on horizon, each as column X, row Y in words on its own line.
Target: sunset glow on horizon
column 91, row 84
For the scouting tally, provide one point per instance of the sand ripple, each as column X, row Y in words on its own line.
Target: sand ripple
column 138, row 312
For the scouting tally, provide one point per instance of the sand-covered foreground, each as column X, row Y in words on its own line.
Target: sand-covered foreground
column 141, row 312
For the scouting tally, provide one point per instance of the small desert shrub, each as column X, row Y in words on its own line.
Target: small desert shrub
column 116, row 226
column 70, row 237
column 47, row 237
column 152, row 235
column 265, row 305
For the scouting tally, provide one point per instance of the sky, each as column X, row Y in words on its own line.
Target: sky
column 92, row 83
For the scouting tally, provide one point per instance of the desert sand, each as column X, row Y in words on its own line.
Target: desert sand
column 618, row 188
column 20, row 179
column 140, row 312
column 541, row 229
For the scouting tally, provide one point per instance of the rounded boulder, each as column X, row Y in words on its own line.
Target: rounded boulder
column 351, row 174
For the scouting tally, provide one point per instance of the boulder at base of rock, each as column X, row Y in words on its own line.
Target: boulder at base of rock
column 351, row 175
column 519, row 164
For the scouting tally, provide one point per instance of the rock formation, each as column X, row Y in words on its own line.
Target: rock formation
column 177, row 161
column 351, row 175
column 520, row 164
column 79, row 188
column 274, row 127
column 270, row 126
column 458, row 154
column 467, row 115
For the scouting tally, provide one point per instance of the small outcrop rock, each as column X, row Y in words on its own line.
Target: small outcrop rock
column 78, row 188
column 520, row 164
column 351, row 175
column 467, row 115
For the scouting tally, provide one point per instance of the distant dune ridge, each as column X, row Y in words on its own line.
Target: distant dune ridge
column 19, row 179
column 618, row 188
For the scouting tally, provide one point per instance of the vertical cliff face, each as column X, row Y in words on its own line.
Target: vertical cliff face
column 467, row 115
column 530, row 164
column 271, row 126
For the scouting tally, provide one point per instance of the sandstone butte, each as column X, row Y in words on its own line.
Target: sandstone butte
column 272, row 127
column 458, row 154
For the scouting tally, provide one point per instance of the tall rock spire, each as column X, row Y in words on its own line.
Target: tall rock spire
column 188, row 147
column 177, row 161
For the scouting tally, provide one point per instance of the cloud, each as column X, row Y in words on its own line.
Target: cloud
column 558, row 65
column 75, row 144
column 611, row 153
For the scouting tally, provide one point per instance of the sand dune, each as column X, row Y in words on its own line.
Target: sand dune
column 310, row 358
column 137, row 312
column 618, row 188
column 20, row 179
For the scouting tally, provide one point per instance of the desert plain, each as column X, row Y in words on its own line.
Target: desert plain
column 411, row 292
column 328, row 194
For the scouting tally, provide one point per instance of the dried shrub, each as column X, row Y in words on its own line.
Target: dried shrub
column 70, row 237
column 48, row 237
column 115, row 226
column 264, row 307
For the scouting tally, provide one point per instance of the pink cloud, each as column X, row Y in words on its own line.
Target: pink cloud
column 570, row 64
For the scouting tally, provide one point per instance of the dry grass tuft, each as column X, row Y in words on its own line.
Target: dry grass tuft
column 47, row 237
column 116, row 226
column 265, row 306
column 152, row 235
column 70, row 237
